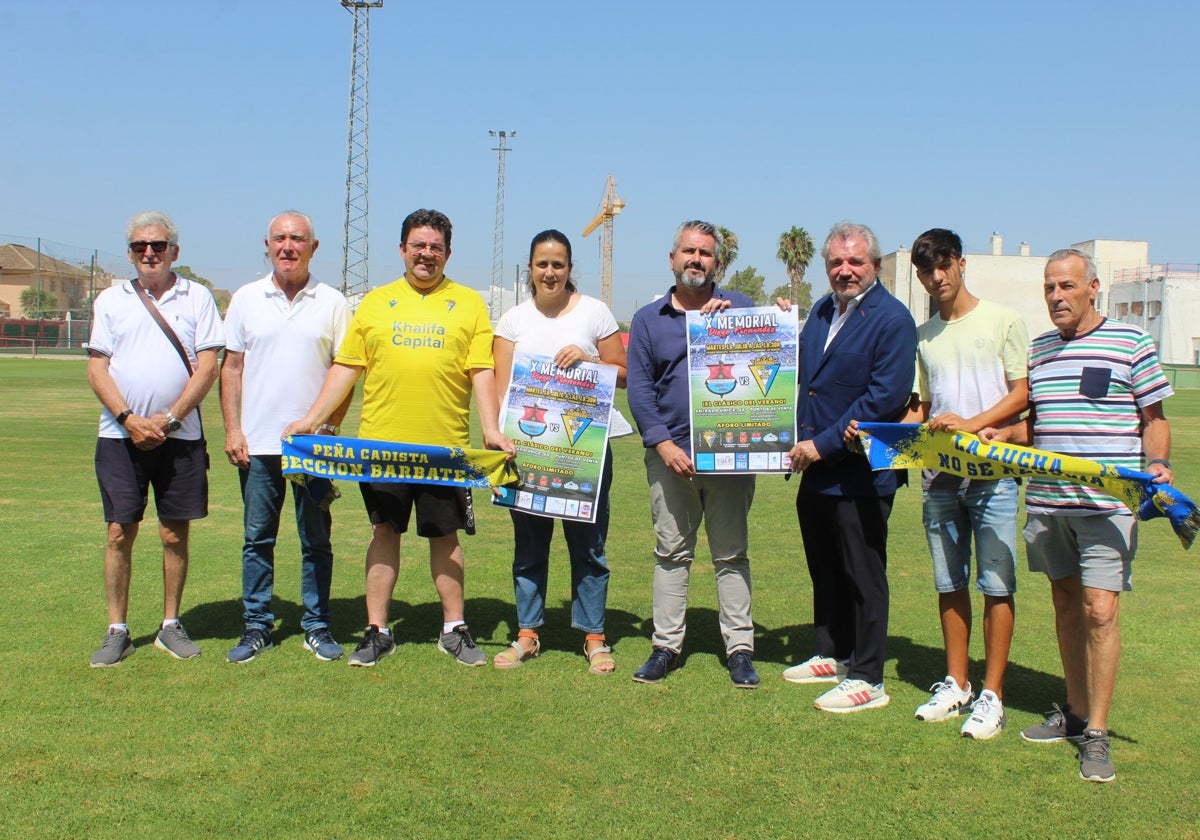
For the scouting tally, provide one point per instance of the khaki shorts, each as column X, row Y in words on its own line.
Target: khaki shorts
column 1098, row 547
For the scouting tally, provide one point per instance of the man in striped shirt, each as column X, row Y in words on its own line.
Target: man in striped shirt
column 1096, row 390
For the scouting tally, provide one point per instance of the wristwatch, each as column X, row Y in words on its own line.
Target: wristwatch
column 331, row 429
column 1162, row 461
column 123, row 416
column 173, row 423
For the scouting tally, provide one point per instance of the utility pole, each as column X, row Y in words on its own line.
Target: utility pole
column 497, row 290
column 354, row 245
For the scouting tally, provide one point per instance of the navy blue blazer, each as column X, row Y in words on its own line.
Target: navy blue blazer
column 866, row 375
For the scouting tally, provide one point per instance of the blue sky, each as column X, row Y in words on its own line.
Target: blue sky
column 1049, row 122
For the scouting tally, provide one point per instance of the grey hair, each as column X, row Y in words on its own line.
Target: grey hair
column 153, row 218
column 706, row 228
column 312, row 231
column 850, row 230
column 1089, row 264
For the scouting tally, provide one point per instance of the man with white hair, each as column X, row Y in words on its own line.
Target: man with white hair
column 1096, row 390
column 857, row 359
column 152, row 358
column 282, row 334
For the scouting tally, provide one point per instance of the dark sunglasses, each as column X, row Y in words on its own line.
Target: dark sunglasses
column 159, row 245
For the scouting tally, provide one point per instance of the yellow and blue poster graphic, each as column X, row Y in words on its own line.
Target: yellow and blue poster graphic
column 909, row 445
column 742, row 368
column 558, row 419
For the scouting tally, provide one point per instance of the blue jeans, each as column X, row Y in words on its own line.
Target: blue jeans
column 263, row 492
column 589, row 566
column 985, row 511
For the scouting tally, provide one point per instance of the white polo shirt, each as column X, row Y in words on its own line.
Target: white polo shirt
column 288, row 350
column 142, row 360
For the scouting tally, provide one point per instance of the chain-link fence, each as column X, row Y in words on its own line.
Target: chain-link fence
column 47, row 289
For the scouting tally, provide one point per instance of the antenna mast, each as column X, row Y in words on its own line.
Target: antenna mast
column 354, row 247
column 497, row 290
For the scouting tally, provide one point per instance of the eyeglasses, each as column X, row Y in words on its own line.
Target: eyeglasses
column 159, row 245
column 418, row 247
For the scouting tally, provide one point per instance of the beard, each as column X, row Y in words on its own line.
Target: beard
column 691, row 282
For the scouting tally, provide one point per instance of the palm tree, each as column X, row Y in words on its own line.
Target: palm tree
column 729, row 252
column 796, row 251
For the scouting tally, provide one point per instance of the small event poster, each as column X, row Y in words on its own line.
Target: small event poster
column 742, row 364
column 558, row 418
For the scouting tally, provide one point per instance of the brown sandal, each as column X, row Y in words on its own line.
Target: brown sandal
column 516, row 653
column 600, row 660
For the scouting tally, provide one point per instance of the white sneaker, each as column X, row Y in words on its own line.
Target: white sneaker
column 816, row 669
column 949, row 700
column 852, row 696
column 987, row 717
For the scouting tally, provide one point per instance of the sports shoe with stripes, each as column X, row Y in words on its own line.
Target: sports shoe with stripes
column 852, row 696
column 987, row 717
column 949, row 700
column 816, row 669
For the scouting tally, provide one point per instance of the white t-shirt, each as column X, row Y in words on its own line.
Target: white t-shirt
column 965, row 365
column 585, row 326
column 142, row 360
column 288, row 349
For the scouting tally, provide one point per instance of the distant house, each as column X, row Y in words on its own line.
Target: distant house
column 23, row 268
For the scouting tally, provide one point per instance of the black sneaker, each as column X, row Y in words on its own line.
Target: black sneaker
column 662, row 661
column 1095, row 760
column 374, row 646
column 1060, row 725
column 117, row 645
column 254, row 641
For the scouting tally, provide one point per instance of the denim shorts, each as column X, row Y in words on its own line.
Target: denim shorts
column 1098, row 547
column 983, row 512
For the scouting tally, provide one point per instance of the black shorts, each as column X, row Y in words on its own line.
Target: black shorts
column 177, row 470
column 441, row 510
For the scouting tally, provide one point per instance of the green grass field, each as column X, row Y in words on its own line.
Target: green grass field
column 421, row 747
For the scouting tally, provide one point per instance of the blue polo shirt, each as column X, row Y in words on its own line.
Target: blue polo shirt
column 658, row 382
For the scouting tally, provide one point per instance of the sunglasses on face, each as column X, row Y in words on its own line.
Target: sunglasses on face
column 159, row 246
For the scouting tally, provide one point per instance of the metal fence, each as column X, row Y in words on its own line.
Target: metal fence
column 57, row 282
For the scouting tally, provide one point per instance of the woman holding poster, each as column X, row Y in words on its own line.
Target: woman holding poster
column 559, row 323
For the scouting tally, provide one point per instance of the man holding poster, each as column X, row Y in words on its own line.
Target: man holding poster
column 659, row 398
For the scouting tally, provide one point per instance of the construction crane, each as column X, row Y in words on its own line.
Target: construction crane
column 610, row 205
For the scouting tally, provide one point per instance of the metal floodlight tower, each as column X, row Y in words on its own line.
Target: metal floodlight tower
column 354, row 247
column 497, row 290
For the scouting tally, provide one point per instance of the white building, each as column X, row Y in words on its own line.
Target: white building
column 1163, row 300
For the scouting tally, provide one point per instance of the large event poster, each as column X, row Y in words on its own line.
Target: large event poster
column 558, row 418
column 742, row 364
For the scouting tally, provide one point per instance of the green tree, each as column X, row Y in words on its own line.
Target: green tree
column 221, row 296
column 796, row 251
column 185, row 271
column 729, row 252
column 750, row 283
column 37, row 303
